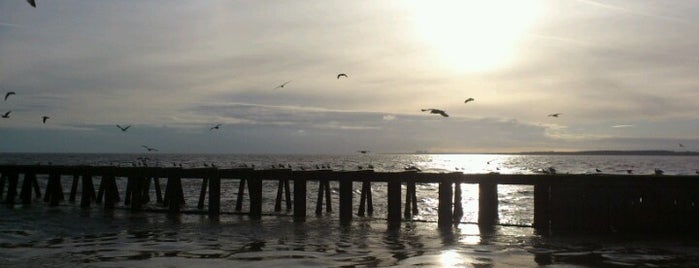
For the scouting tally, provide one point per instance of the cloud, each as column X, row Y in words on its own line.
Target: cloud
column 622, row 126
column 389, row 117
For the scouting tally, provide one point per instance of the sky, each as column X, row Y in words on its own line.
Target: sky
column 623, row 75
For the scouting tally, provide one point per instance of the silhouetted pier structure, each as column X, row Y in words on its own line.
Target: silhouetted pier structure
column 562, row 203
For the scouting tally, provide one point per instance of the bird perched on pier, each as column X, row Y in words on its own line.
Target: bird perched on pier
column 342, row 75
column 32, row 3
column 598, row 170
column 555, row 115
column 469, row 100
column 150, row 149
column 659, row 171
column 8, row 94
column 436, row 111
column 6, row 115
column 215, row 127
column 44, row 118
column 123, row 128
column 282, row 85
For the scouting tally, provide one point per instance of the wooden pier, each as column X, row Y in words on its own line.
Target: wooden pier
column 562, row 203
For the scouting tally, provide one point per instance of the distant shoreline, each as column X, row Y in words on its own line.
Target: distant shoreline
column 591, row 152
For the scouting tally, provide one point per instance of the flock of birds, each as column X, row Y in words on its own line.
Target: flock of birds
column 6, row 115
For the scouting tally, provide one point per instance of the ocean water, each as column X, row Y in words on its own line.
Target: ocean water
column 40, row 236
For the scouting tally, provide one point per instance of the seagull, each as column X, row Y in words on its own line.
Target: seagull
column 32, row 3
column 6, row 115
column 282, row 85
column 469, row 100
column 436, row 111
column 680, row 144
column 215, row 127
column 341, row 75
column 363, row 151
column 598, row 170
column 8, row 94
column 44, row 118
column 123, row 128
column 150, row 149
column 659, row 171
column 555, row 115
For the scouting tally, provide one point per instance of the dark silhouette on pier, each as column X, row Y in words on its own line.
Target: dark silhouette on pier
column 8, row 94
column 44, row 118
column 6, row 115
column 555, row 115
column 32, row 3
column 215, row 127
column 342, row 75
column 436, row 111
column 469, row 100
column 282, row 85
column 123, row 128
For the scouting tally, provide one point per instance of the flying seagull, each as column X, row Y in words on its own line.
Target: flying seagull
column 123, row 128
column 32, row 3
column 215, row 127
column 341, row 75
column 680, row 144
column 282, row 85
column 150, row 149
column 44, row 118
column 436, row 111
column 469, row 100
column 8, row 94
column 6, row 115
column 555, row 115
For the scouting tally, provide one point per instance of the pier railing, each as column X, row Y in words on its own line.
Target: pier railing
column 588, row 203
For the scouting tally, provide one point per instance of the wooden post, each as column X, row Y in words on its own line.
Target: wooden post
column 145, row 190
column 328, row 205
column 129, row 189
column 487, row 203
column 255, row 189
column 541, row 207
column 410, row 202
column 111, row 193
column 74, row 188
column 136, row 192
column 2, row 184
column 241, row 195
column 55, row 189
column 35, row 184
column 345, row 200
column 214, row 194
column 458, row 207
column 88, row 191
column 299, row 199
column 176, row 197
column 202, row 192
column 12, row 188
column 445, row 206
column 100, row 191
column 278, row 200
column 394, row 192
column 26, row 193
column 158, row 193
column 366, row 191
column 319, row 202
column 287, row 194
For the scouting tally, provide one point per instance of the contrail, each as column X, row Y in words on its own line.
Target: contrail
column 634, row 12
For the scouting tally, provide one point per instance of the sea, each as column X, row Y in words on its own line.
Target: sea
column 37, row 235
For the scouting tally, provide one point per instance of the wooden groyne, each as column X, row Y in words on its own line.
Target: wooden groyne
column 562, row 203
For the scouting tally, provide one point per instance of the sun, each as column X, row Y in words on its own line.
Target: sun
column 474, row 35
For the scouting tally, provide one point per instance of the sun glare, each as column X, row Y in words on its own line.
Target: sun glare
column 474, row 35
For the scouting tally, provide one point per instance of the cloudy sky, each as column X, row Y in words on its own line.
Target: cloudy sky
column 624, row 75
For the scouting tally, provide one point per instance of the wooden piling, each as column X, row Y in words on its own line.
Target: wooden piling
column 458, row 207
column 202, row 192
column 2, row 184
column 299, row 199
column 158, row 193
column 74, row 188
column 214, row 193
column 110, row 191
column 365, row 202
column 487, row 203
column 12, row 181
column 255, row 190
column 410, row 199
column 541, row 207
column 26, row 192
column 319, row 201
column 394, row 199
column 241, row 195
column 54, row 190
column 345, row 200
column 88, row 191
column 174, row 195
column 445, row 206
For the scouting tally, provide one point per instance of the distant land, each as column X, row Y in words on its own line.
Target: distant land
column 593, row 152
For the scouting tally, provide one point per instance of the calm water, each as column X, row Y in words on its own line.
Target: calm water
column 40, row 236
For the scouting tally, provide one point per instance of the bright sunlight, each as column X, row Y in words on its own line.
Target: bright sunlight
column 474, row 35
